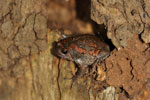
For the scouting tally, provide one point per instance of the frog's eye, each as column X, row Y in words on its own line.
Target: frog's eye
column 64, row 51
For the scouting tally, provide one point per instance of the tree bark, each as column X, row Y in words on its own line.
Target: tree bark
column 30, row 71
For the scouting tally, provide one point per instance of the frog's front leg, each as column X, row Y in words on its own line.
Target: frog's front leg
column 81, row 72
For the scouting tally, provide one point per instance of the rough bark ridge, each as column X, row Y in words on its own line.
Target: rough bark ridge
column 23, row 31
column 123, row 19
column 127, row 23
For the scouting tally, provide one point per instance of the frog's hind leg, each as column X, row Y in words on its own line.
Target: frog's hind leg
column 94, row 67
column 93, row 70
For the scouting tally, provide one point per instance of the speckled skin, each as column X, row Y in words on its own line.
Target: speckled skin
column 84, row 49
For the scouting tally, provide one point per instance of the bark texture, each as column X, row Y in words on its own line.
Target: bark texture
column 123, row 19
column 127, row 23
column 28, row 69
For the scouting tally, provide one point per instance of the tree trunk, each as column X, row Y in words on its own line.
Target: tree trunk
column 30, row 71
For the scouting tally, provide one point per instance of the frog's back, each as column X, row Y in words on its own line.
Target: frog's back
column 89, row 43
column 85, row 49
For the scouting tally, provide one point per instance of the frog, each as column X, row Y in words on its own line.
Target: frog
column 85, row 50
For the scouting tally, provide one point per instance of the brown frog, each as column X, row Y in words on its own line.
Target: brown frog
column 84, row 49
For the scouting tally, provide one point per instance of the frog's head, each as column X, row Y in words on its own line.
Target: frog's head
column 62, row 51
